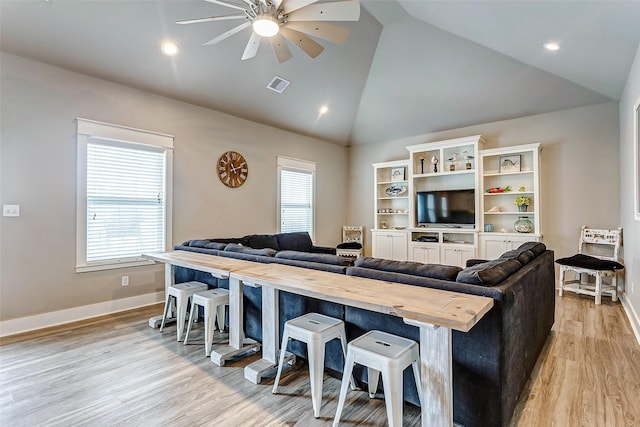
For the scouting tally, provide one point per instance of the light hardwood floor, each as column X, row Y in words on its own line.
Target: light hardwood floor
column 117, row 371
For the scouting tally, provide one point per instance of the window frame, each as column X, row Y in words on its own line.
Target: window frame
column 297, row 165
column 636, row 160
column 87, row 129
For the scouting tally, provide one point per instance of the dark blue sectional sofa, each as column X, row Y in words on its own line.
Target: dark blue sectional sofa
column 491, row 363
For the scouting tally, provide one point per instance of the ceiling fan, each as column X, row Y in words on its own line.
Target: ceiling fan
column 293, row 20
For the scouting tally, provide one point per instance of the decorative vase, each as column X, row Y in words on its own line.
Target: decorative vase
column 522, row 208
column 523, row 225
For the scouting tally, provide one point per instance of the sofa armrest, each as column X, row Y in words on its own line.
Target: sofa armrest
column 322, row 250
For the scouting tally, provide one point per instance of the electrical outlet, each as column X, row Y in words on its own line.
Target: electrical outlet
column 125, row 280
column 10, row 210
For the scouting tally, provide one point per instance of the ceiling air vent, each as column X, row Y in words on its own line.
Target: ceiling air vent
column 278, row 84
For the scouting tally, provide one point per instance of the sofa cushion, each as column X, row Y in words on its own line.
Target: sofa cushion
column 311, row 257
column 196, row 243
column 233, row 247
column 299, row 241
column 433, row 271
column 260, row 241
column 489, row 273
column 536, row 247
column 524, row 256
column 227, row 240
column 589, row 262
column 215, row 245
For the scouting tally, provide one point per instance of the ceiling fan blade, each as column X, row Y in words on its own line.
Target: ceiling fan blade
column 291, row 5
column 252, row 46
column 309, row 46
column 229, row 33
column 348, row 10
column 280, row 48
column 325, row 31
column 222, row 3
column 276, row 3
column 211, row 18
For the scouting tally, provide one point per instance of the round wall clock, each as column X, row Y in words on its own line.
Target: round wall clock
column 232, row 169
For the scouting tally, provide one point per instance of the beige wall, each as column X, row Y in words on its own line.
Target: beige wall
column 630, row 98
column 38, row 171
column 580, row 165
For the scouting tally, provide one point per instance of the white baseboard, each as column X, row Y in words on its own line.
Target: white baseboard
column 54, row 318
column 634, row 319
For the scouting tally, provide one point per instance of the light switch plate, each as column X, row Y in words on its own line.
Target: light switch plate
column 10, row 210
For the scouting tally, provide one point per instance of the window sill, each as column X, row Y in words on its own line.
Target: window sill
column 84, row 268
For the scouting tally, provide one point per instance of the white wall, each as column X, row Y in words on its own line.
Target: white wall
column 579, row 171
column 631, row 228
column 38, row 171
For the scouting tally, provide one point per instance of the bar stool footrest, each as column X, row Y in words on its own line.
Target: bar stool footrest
column 263, row 368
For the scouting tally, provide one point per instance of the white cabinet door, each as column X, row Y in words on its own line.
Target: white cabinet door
column 492, row 246
column 514, row 242
column 427, row 254
column 456, row 255
column 465, row 254
column 389, row 245
column 450, row 256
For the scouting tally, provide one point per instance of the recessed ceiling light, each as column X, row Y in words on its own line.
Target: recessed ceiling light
column 169, row 48
column 324, row 109
column 553, row 46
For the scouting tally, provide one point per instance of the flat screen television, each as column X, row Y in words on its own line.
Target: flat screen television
column 447, row 207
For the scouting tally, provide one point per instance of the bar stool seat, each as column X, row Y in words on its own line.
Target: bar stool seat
column 214, row 302
column 315, row 330
column 181, row 292
column 382, row 353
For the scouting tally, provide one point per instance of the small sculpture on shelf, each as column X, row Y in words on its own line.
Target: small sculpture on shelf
column 421, row 164
column 434, row 160
column 452, row 160
column 467, row 159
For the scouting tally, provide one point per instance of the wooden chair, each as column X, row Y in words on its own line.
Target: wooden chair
column 591, row 260
column 352, row 238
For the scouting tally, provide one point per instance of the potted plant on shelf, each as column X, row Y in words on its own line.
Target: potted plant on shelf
column 522, row 202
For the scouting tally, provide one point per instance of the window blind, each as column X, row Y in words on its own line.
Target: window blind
column 126, row 205
column 296, row 201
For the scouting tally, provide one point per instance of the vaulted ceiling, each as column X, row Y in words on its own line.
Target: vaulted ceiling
column 409, row 67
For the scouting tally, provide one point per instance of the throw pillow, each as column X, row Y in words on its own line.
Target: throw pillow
column 524, row 256
column 536, row 247
column 299, row 241
column 489, row 273
column 261, row 241
column 433, row 271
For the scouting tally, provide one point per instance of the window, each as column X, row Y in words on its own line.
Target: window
column 296, row 195
column 124, row 196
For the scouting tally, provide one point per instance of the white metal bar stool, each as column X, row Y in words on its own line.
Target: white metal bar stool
column 214, row 302
column 382, row 353
column 181, row 292
column 315, row 330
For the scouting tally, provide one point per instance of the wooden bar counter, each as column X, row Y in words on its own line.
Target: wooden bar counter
column 218, row 267
column 434, row 311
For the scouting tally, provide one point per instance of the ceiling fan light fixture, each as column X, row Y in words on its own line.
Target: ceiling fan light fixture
column 552, row 46
column 266, row 26
column 169, row 48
